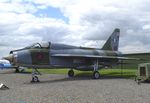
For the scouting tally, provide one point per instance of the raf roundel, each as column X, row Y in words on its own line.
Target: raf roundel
column 39, row 56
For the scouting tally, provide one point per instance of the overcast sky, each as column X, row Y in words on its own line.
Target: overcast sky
column 76, row 22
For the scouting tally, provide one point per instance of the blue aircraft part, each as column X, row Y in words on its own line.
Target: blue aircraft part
column 4, row 66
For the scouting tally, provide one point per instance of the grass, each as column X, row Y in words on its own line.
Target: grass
column 126, row 73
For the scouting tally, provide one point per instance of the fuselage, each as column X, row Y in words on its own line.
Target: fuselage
column 44, row 56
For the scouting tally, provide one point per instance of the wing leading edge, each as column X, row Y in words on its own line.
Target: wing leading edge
column 94, row 56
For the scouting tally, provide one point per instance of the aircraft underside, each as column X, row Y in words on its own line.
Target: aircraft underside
column 93, row 66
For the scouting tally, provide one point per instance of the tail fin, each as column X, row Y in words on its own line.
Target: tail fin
column 113, row 41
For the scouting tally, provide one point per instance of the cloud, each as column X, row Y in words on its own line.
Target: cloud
column 90, row 23
column 99, row 18
column 17, row 7
column 27, row 27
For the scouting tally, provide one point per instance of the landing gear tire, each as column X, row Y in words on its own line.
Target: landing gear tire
column 70, row 73
column 96, row 75
column 35, row 79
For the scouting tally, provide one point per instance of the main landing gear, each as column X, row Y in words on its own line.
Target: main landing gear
column 96, row 74
column 70, row 73
column 35, row 78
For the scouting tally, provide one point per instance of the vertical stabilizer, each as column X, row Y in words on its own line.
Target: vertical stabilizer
column 113, row 41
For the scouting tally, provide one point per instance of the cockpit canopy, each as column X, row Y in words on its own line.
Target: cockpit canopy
column 45, row 45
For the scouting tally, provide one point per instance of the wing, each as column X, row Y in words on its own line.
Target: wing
column 142, row 56
column 94, row 56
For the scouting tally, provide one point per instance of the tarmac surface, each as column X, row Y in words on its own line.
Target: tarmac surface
column 55, row 88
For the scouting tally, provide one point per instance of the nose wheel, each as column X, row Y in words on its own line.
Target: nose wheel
column 70, row 73
column 35, row 78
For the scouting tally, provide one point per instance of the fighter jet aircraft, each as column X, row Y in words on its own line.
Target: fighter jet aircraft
column 52, row 55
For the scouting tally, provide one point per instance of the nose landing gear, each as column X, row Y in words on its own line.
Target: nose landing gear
column 35, row 78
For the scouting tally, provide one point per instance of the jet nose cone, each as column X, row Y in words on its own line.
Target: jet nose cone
column 9, row 58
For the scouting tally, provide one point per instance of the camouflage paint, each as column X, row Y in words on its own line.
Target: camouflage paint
column 112, row 43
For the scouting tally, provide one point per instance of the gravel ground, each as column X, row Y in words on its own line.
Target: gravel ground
column 55, row 88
